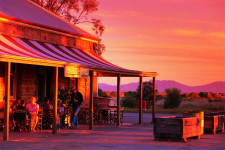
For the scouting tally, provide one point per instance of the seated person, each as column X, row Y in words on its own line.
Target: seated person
column 19, row 104
column 46, row 105
column 33, row 109
column 47, row 114
column 60, row 109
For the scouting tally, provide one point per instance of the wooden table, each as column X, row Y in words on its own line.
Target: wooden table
column 107, row 114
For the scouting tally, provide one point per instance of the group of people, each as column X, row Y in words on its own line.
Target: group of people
column 33, row 109
column 75, row 103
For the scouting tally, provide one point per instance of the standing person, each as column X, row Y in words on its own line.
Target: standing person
column 76, row 100
column 61, row 113
column 33, row 109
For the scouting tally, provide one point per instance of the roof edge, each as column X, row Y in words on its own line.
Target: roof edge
column 46, row 27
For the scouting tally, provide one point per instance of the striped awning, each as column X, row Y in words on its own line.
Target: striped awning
column 34, row 52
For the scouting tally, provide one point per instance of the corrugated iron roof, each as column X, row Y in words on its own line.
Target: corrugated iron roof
column 29, row 12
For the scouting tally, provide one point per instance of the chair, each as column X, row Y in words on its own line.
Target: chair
column 97, row 115
column 104, row 113
column 83, row 116
column 47, row 118
column 40, row 117
column 121, row 114
column 20, row 120
column 101, row 113
column 113, row 115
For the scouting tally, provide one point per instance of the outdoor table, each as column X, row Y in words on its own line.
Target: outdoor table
column 107, row 114
column 20, row 119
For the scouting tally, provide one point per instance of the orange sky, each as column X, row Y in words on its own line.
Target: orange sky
column 182, row 40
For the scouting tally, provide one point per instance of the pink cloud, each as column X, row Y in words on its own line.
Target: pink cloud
column 181, row 40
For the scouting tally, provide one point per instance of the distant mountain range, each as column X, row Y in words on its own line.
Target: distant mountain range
column 215, row 87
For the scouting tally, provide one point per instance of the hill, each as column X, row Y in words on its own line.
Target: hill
column 215, row 87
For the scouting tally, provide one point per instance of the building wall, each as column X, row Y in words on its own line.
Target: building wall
column 29, row 81
column 84, row 88
column 27, row 86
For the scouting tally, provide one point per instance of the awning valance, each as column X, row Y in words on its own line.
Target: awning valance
column 26, row 51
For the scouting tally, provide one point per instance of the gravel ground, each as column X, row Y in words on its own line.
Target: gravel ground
column 127, row 137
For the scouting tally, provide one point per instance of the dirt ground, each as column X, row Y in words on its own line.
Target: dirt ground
column 127, row 137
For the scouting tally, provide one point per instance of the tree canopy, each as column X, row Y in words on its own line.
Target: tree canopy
column 101, row 93
column 76, row 12
column 147, row 92
column 173, row 98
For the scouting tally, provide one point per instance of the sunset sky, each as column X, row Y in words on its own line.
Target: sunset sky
column 182, row 40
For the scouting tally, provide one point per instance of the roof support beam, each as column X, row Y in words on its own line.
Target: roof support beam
column 153, row 101
column 7, row 96
column 55, row 100
column 118, row 100
column 140, row 101
column 91, row 101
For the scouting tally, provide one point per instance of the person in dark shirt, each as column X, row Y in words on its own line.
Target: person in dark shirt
column 76, row 100
column 19, row 104
column 46, row 105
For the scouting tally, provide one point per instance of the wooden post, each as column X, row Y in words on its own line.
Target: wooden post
column 7, row 96
column 153, row 101
column 140, row 102
column 91, row 102
column 55, row 100
column 118, row 100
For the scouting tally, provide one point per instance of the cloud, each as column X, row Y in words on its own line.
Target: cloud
column 217, row 35
column 119, row 13
column 197, row 38
column 184, row 32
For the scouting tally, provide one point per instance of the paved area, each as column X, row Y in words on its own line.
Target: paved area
column 127, row 137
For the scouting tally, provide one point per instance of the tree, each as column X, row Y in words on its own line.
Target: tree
column 64, row 94
column 130, row 94
column 173, row 98
column 203, row 94
column 147, row 92
column 76, row 12
column 194, row 95
column 130, row 99
column 101, row 93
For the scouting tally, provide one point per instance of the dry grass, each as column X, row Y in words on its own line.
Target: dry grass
column 187, row 106
column 205, row 105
